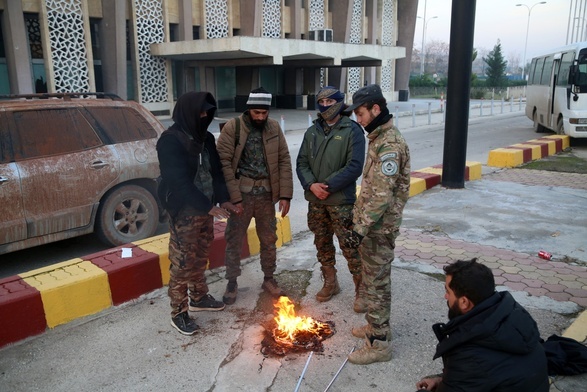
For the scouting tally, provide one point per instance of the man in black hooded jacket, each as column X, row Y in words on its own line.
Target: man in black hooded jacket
column 191, row 187
column 491, row 343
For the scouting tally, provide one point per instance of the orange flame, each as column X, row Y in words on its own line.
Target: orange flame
column 288, row 324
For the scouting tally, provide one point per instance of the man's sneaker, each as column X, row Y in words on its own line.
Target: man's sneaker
column 229, row 296
column 378, row 351
column 271, row 287
column 207, row 302
column 184, row 324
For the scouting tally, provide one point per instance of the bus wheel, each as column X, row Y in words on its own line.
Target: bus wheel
column 537, row 127
column 560, row 128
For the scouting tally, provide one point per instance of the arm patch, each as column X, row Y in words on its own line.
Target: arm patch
column 389, row 165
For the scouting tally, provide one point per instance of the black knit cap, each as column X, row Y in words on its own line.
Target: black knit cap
column 367, row 94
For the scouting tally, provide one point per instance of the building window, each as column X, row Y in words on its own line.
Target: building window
column 95, row 37
column 34, row 35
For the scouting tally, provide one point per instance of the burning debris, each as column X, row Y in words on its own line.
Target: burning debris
column 290, row 333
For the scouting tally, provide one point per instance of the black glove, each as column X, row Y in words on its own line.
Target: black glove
column 354, row 240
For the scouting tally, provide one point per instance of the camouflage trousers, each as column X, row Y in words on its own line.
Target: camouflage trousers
column 261, row 207
column 376, row 255
column 190, row 237
column 325, row 221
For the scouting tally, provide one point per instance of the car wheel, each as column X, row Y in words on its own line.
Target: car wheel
column 537, row 127
column 560, row 127
column 126, row 214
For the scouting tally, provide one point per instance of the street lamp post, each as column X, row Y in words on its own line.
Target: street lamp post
column 424, row 28
column 527, row 29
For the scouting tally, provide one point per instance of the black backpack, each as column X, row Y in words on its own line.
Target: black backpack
column 565, row 356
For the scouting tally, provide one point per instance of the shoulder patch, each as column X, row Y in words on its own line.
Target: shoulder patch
column 389, row 168
column 389, row 165
column 391, row 155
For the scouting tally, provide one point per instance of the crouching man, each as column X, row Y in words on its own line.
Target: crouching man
column 490, row 343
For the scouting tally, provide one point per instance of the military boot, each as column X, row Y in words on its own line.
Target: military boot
column 331, row 286
column 371, row 352
column 360, row 305
column 362, row 331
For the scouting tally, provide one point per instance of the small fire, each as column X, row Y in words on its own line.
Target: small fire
column 291, row 329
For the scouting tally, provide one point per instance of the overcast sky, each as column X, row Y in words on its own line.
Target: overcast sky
column 503, row 20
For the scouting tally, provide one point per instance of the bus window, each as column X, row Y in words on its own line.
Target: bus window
column 531, row 71
column 563, row 72
column 538, row 71
column 582, row 79
column 546, row 72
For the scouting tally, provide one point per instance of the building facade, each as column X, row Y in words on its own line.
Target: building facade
column 152, row 51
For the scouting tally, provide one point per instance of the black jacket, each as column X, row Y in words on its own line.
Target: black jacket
column 179, row 151
column 494, row 347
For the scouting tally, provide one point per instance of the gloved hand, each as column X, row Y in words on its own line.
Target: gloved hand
column 354, row 240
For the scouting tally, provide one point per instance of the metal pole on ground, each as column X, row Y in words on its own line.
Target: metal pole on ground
column 303, row 372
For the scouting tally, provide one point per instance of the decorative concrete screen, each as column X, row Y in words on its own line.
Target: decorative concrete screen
column 271, row 19
column 68, row 49
column 316, row 22
column 216, row 18
column 387, row 39
column 150, row 30
column 356, row 37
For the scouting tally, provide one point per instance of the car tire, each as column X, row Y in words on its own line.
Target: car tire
column 560, row 126
column 537, row 127
column 126, row 214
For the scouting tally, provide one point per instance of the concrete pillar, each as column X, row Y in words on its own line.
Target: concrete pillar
column 185, row 20
column 20, row 74
column 373, row 38
column 247, row 79
column 296, row 19
column 407, row 12
column 113, row 47
column 181, row 74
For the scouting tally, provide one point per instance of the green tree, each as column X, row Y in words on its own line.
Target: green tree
column 496, row 66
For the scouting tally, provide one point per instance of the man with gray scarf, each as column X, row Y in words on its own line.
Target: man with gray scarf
column 330, row 160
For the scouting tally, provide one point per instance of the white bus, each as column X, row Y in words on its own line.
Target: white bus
column 556, row 98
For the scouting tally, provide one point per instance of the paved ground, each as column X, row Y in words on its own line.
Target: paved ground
column 504, row 219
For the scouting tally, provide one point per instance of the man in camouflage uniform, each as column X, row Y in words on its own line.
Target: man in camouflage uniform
column 330, row 160
column 377, row 217
column 257, row 168
column 191, row 186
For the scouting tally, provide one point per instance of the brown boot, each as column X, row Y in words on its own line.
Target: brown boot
column 378, row 351
column 331, row 286
column 360, row 305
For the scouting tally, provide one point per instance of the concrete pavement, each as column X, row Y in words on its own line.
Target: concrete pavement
column 505, row 218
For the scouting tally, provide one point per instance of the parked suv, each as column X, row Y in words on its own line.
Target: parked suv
column 72, row 164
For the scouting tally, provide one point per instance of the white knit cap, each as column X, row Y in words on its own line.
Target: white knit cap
column 259, row 98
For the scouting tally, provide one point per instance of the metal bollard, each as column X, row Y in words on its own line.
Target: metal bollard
column 481, row 109
column 283, row 123
column 520, row 107
column 501, row 105
column 429, row 113
column 491, row 107
column 310, row 120
column 511, row 104
column 413, row 115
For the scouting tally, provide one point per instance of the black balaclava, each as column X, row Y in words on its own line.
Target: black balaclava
column 381, row 119
column 186, row 115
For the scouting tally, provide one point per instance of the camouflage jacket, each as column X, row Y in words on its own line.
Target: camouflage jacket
column 386, row 183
